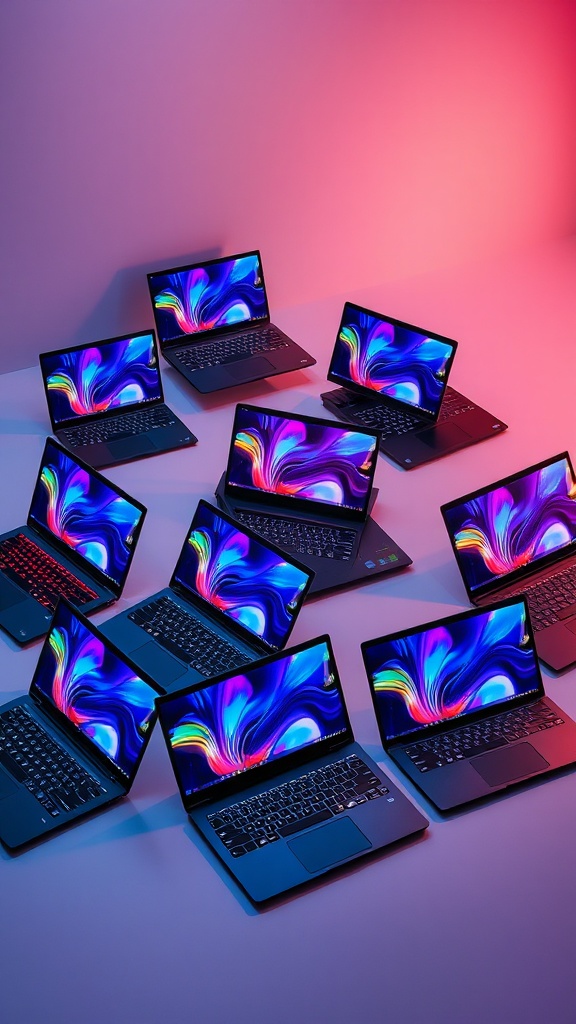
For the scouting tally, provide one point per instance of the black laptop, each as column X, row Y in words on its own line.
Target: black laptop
column 306, row 484
column 106, row 401
column 78, row 542
column 461, row 706
column 270, row 774
column 214, row 325
column 518, row 536
column 394, row 379
column 232, row 599
column 73, row 744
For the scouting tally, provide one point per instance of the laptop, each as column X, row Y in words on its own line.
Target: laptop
column 73, row 744
column 214, row 326
column 394, row 378
column 233, row 598
column 461, row 707
column 269, row 772
column 106, row 401
column 518, row 536
column 306, row 484
column 78, row 542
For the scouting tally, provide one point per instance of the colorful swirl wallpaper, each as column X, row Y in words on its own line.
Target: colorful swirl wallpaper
column 451, row 670
column 85, row 513
column 286, row 456
column 392, row 360
column 253, row 718
column 96, row 690
column 509, row 527
column 112, row 375
column 209, row 296
column 241, row 577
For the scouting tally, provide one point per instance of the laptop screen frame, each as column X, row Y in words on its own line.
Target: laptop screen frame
column 378, row 396
column 214, row 332
column 227, row 622
column 254, row 497
column 260, row 773
column 524, row 572
column 118, row 410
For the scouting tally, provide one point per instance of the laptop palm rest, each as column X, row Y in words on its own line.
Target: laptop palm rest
column 161, row 665
column 509, row 763
column 248, row 367
column 329, row 844
column 128, row 446
column 442, row 436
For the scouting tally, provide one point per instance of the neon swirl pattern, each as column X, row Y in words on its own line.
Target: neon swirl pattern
column 88, row 515
column 449, row 670
column 391, row 360
column 242, row 578
column 214, row 295
column 513, row 526
column 287, row 456
column 108, row 376
column 253, row 718
column 96, row 691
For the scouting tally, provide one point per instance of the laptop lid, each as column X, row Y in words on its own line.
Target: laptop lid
column 376, row 355
column 249, row 584
column 203, row 300
column 243, row 728
column 453, row 671
column 104, row 377
column 95, row 694
column 79, row 512
column 502, row 533
column 301, row 463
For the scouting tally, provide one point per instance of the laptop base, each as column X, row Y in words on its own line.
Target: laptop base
column 132, row 446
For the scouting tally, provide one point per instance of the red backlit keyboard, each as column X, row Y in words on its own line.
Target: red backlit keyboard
column 40, row 575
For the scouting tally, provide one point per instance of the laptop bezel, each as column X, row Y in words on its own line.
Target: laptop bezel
column 74, row 735
column 459, row 721
column 214, row 332
column 524, row 572
column 326, row 510
column 262, row 773
column 366, row 392
column 227, row 622
column 55, row 542
column 118, row 410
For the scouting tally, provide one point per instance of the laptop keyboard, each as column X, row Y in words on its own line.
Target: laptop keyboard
column 482, row 736
column 40, row 575
column 188, row 638
column 114, row 428
column 301, row 537
column 308, row 800
column 552, row 599
column 47, row 771
column 226, row 351
column 394, row 422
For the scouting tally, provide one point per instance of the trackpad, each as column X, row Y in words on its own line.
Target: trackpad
column 443, row 436
column 250, row 369
column 7, row 787
column 10, row 594
column 509, row 763
column 161, row 665
column 329, row 844
column 129, row 447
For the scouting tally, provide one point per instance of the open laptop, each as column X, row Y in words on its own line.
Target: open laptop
column 461, row 706
column 394, row 379
column 306, row 484
column 73, row 744
column 518, row 536
column 106, row 401
column 232, row 599
column 269, row 772
column 214, row 326
column 78, row 542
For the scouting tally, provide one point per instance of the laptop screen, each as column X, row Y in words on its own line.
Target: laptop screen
column 254, row 718
column 208, row 296
column 299, row 458
column 391, row 358
column 86, row 513
column 115, row 374
column 96, row 690
column 451, row 669
column 241, row 577
column 513, row 525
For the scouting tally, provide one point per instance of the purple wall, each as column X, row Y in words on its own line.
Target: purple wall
column 353, row 142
